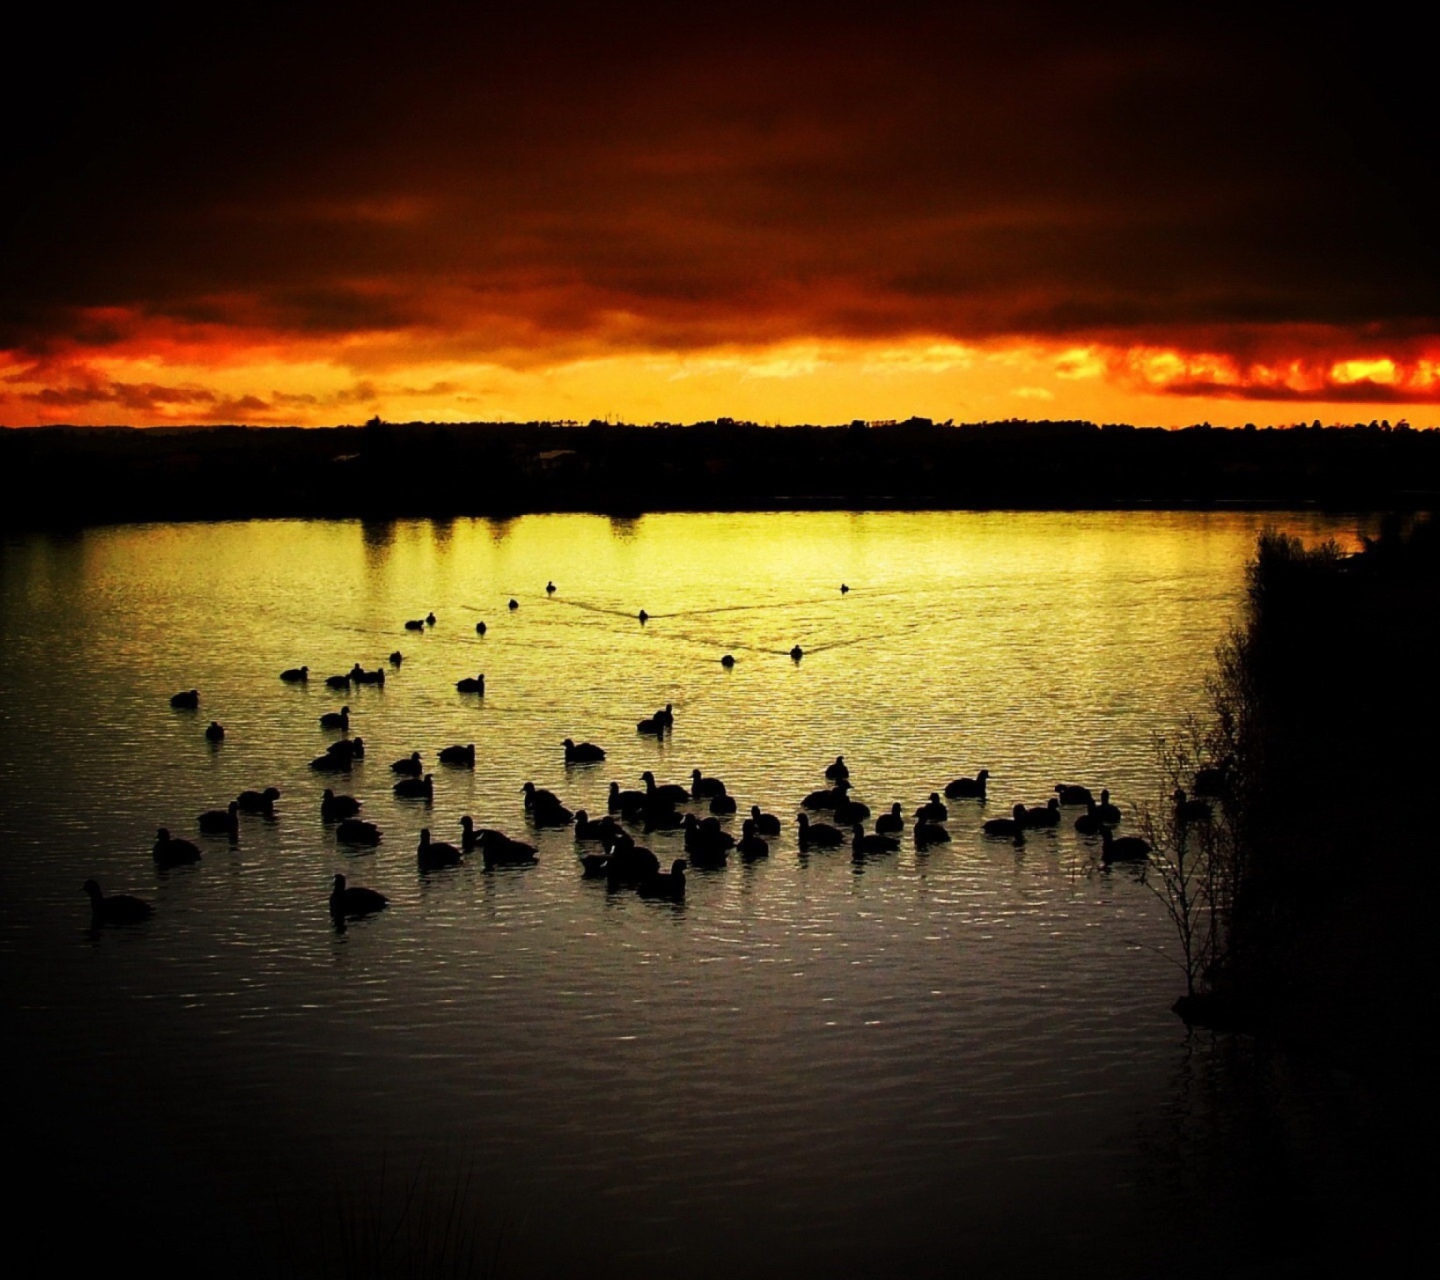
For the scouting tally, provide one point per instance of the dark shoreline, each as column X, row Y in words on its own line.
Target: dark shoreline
column 58, row 477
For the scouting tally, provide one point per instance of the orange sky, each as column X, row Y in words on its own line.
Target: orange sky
column 792, row 214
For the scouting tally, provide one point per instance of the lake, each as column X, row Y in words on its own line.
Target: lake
column 913, row 1064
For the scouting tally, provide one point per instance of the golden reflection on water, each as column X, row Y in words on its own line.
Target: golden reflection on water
column 526, row 1015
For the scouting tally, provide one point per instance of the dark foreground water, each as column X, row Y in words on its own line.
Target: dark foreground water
column 919, row 1064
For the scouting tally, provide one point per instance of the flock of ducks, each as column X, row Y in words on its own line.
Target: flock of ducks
column 607, row 846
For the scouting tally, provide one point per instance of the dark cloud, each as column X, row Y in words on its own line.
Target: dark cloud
column 512, row 179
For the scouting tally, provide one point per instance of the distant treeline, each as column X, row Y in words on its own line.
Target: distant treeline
column 67, row 475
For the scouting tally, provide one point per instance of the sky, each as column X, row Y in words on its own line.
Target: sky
column 777, row 212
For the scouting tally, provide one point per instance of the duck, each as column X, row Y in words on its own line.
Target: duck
column 118, row 908
column 630, row 864
column 663, row 793
column 727, row 661
column 481, row 628
column 766, row 824
column 968, row 788
column 472, row 684
column 498, row 849
column 396, row 658
column 470, row 835
column 826, row 798
column 459, row 755
column 588, row 828
column 416, row 788
column 1044, row 815
column 331, row 763
column 186, row 701
column 337, row 682
column 354, row 831
column 892, row 823
column 296, row 675
column 797, row 653
column 333, row 807
column 549, row 588
column 1190, row 810
column 536, row 797
column 704, row 840
column 347, row 748
column 415, row 624
column 434, row 854
column 336, row 719
column 666, row 717
column 643, row 616
column 171, row 851
column 1012, row 827
column 216, row 732
column 839, row 771
column 1072, row 794
column 723, row 806
column 262, row 802
column 844, row 590
column 751, row 845
column 662, row 818
column 1214, row 780
column 1109, row 814
column 650, row 728
column 626, row 802
column 410, row 766
column 820, row 834
column 933, row 810
column 663, row 884
column 928, row 833
column 429, row 619
column 582, row 752
column 361, row 676
column 1122, row 848
column 1090, row 822
column 514, row 604
column 863, row 842
column 221, row 822
column 848, row 811
column 355, row 900
column 551, row 815
column 701, row 786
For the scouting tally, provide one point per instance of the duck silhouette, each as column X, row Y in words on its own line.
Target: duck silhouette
column 410, row 766
column 582, row 752
column 1012, row 828
column 463, row 756
column 354, row 900
column 837, row 771
column 1122, row 848
column 701, row 786
column 415, row 788
column 221, row 822
column 892, row 823
column 663, row 884
column 354, row 831
column 472, row 684
column 333, row 807
column 728, row 660
column 336, row 719
column 1109, row 813
column 186, row 701
column 262, row 802
column 863, row 842
column 932, row 810
column 171, row 851
column 968, row 788
column 434, row 854
column 296, row 675
column 118, row 908
column 481, row 628
column 1072, row 794
column 216, row 732
column 751, row 845
column 396, row 658
column 766, row 824
column 819, row 834
column 930, row 833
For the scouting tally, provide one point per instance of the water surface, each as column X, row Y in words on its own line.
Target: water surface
column 907, row 1065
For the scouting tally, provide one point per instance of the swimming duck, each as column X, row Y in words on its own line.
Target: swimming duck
column 481, row 628
column 354, row 831
column 1012, row 827
column 216, row 732
column 892, row 823
column 835, row 772
column 354, row 901
column 1122, row 848
column 471, row 684
column 416, row 788
column 750, row 845
column 221, row 822
column 537, row 797
column 928, row 833
column 1109, row 814
column 361, row 676
column 663, row 793
column 932, row 810
column 643, row 616
column 766, row 824
column 331, row 763
column 863, row 842
column 497, row 849
column 262, row 802
column 410, row 766
column 1188, row 810
column 588, row 828
column 848, row 812
column 797, row 653
column 661, row 818
column 1044, row 815
column 582, row 752
column 415, row 624
column 186, row 701
column 514, row 604
column 723, row 806
column 1071, row 794
column 663, row 884
column 549, row 588
column 171, row 851
column 630, row 864
column 348, row 748
column 820, row 834
column 968, row 788
column 396, row 658
column 333, row 807
column 651, row 728
column 118, row 908
column 429, row 619
column 701, row 786
column 626, row 802
column 705, row 840
column 666, row 717
column 727, row 661
column 434, row 854
column 336, row 719
column 296, row 675
column 337, row 682
column 1214, row 780
column 459, row 755
column 1089, row 822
